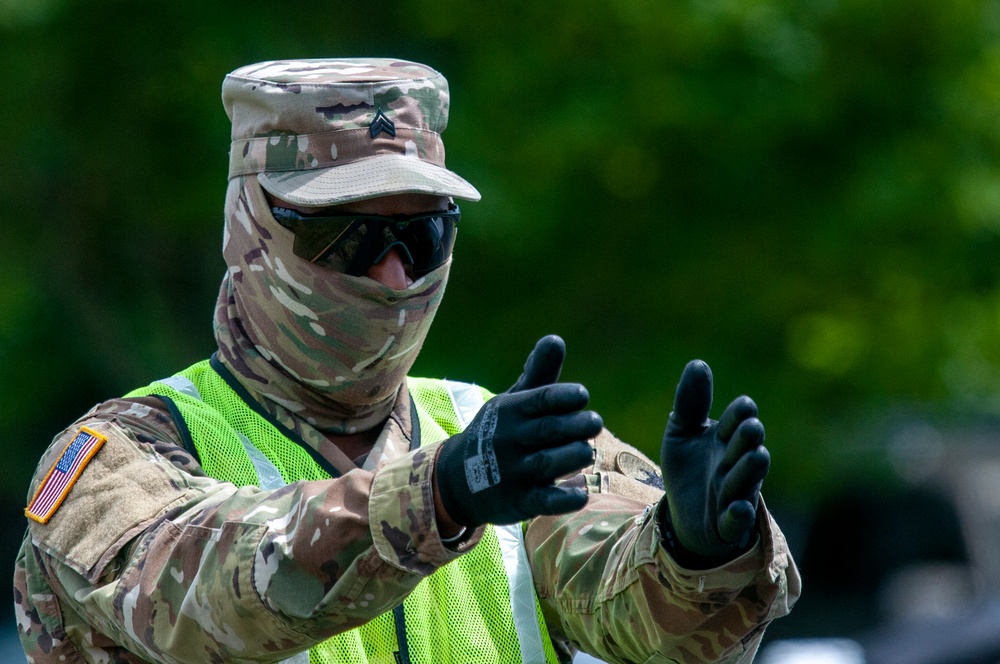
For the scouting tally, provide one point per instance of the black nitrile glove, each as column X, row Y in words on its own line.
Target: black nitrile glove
column 712, row 473
column 502, row 468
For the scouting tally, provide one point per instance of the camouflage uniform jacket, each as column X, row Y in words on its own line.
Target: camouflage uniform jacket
column 148, row 559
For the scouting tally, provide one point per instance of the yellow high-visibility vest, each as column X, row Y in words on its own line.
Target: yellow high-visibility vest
column 479, row 609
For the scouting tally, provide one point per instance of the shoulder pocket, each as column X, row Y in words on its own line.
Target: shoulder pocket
column 121, row 488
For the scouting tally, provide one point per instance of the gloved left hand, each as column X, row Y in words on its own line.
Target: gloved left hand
column 712, row 473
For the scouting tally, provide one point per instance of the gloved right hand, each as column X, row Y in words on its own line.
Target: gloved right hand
column 501, row 469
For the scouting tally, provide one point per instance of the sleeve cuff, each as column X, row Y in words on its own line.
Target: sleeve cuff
column 401, row 515
column 768, row 553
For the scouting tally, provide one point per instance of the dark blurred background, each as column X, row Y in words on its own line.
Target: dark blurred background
column 804, row 194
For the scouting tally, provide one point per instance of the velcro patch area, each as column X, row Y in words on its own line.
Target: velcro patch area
column 63, row 474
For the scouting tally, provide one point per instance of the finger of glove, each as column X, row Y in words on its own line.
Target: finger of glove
column 741, row 409
column 556, row 399
column 547, row 465
column 551, row 500
column 553, row 431
column 744, row 479
column 693, row 399
column 749, row 436
column 736, row 522
column 543, row 365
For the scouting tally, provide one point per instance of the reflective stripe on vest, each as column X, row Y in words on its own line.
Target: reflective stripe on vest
column 199, row 391
column 183, row 385
column 467, row 400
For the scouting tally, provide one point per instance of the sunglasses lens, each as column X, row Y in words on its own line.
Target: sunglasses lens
column 429, row 240
column 315, row 237
column 340, row 254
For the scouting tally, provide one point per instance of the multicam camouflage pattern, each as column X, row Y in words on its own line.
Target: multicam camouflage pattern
column 331, row 348
column 208, row 572
column 195, row 575
column 293, row 119
column 632, row 600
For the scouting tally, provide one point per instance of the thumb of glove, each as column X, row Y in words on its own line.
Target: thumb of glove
column 692, row 401
column 543, row 365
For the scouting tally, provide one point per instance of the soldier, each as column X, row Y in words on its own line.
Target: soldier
column 297, row 497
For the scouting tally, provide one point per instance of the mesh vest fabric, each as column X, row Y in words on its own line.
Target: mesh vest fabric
column 461, row 613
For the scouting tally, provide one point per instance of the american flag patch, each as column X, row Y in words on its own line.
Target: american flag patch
column 63, row 474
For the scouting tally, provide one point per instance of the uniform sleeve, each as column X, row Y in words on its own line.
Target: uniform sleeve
column 175, row 566
column 609, row 587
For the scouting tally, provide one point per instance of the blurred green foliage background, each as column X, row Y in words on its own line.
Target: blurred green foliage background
column 804, row 194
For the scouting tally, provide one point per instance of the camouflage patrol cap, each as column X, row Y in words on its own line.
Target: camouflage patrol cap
column 320, row 132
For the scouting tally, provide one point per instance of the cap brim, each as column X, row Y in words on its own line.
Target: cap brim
column 368, row 178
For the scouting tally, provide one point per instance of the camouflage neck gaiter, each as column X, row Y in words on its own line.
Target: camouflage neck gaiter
column 331, row 348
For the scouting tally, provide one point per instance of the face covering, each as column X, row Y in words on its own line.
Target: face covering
column 331, row 348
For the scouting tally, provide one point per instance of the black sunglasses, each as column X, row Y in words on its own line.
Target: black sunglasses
column 352, row 243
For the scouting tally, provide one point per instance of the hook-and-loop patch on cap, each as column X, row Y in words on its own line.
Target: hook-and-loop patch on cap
column 63, row 474
column 309, row 152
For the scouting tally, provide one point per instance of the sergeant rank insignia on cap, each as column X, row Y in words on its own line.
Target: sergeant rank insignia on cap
column 381, row 123
column 63, row 474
